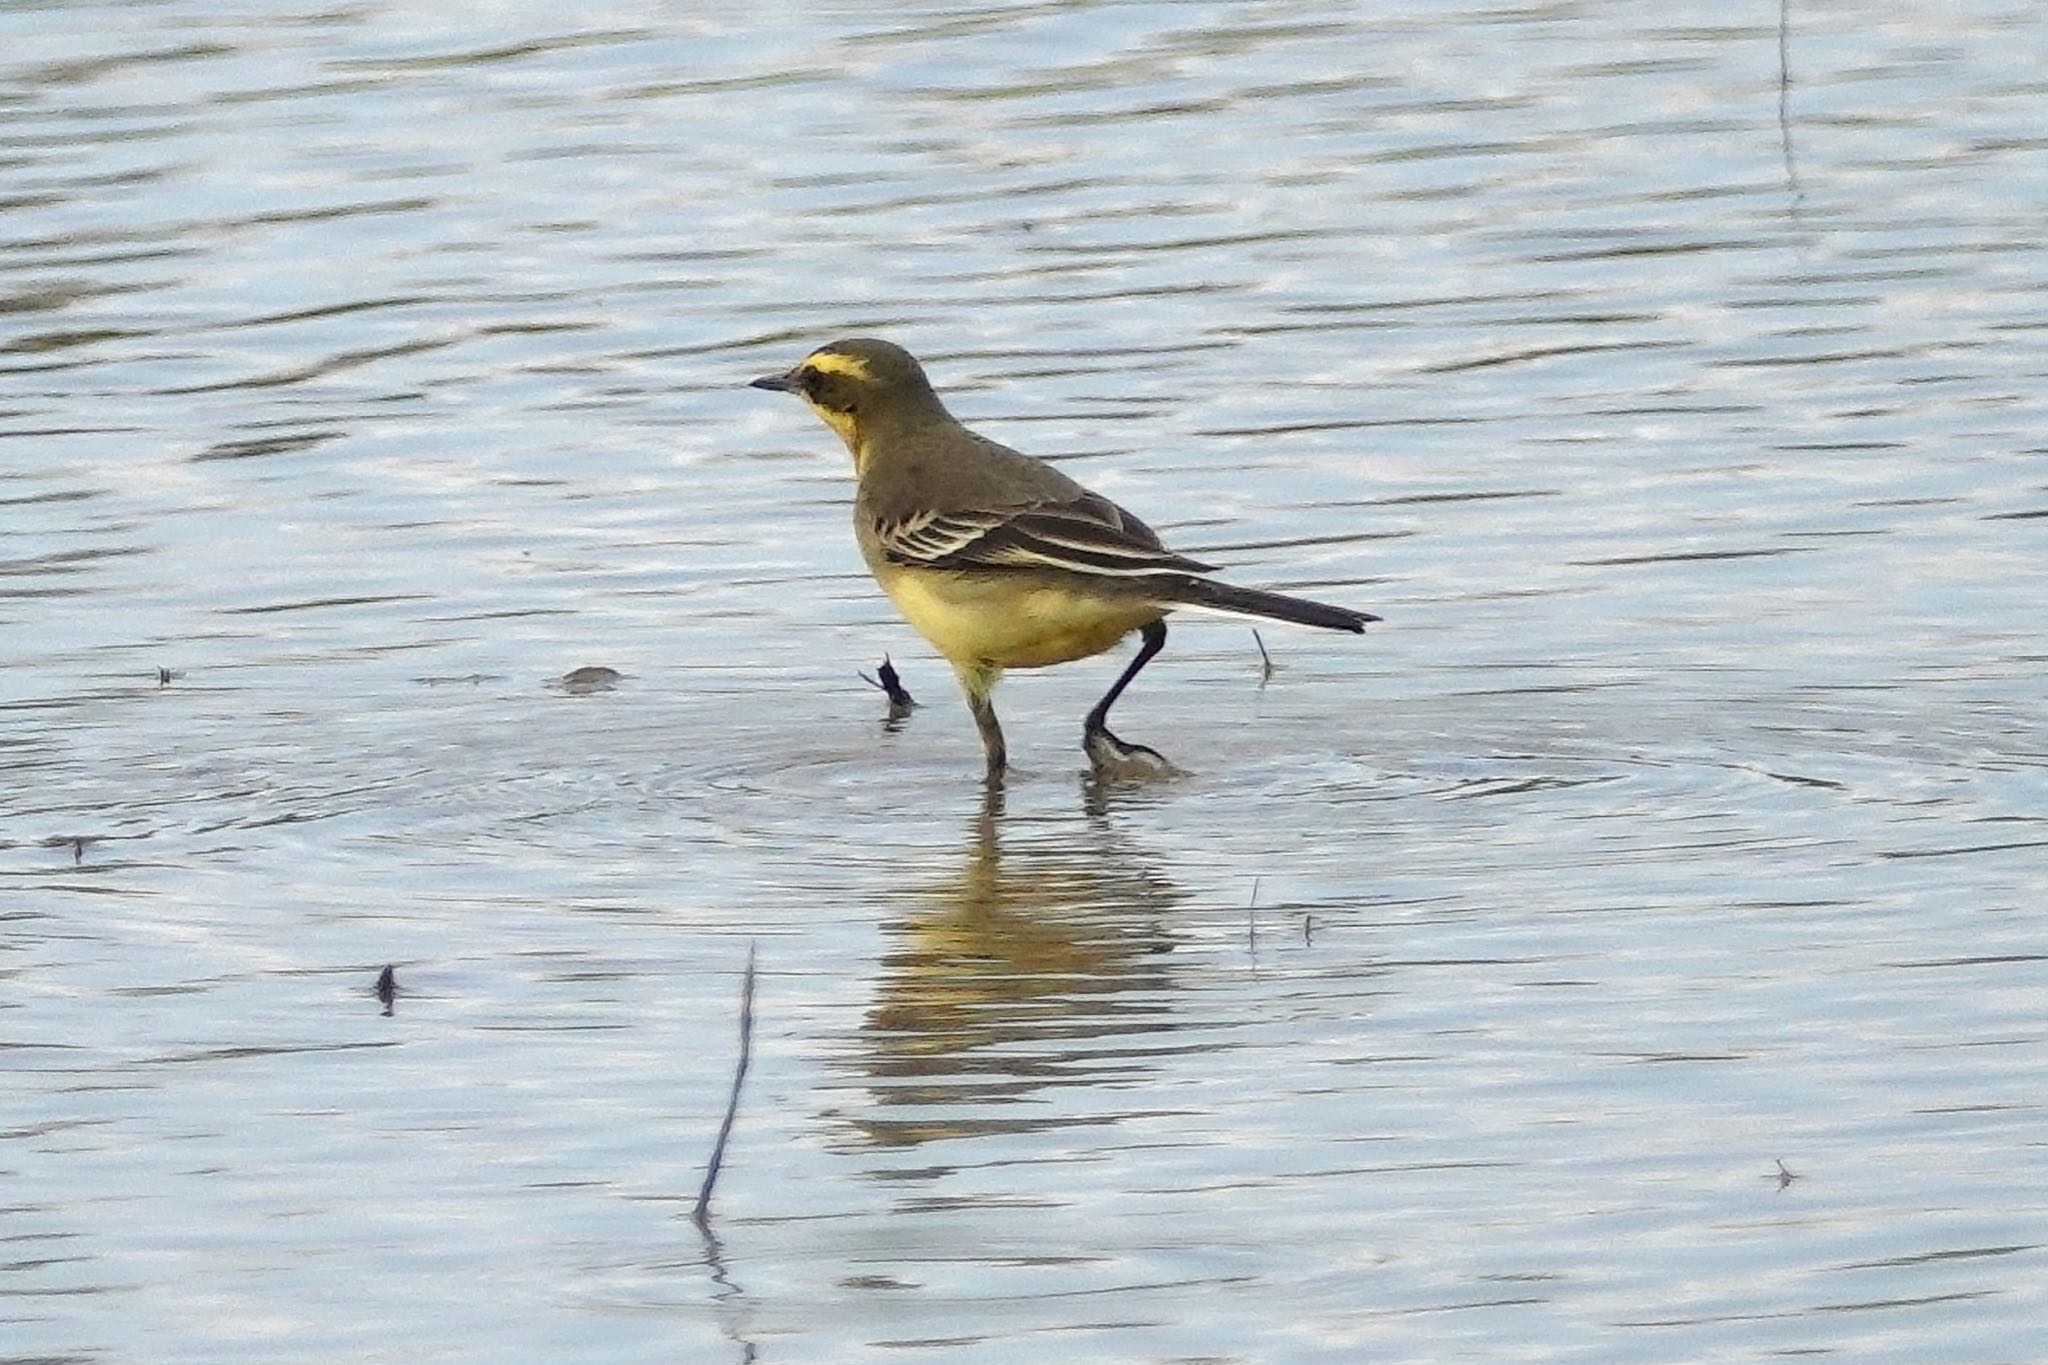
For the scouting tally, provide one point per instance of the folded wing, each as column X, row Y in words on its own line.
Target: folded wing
column 1086, row 535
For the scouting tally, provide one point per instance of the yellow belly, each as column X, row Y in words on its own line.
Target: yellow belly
column 1012, row 620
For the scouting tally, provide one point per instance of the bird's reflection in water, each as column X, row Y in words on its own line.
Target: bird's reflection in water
column 1034, row 965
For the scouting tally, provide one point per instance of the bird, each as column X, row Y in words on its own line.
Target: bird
column 1000, row 560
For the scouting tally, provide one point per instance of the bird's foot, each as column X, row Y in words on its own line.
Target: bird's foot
column 1119, row 758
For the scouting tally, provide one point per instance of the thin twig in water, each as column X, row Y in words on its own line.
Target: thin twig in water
column 1785, row 98
column 1251, row 921
column 702, row 1213
column 1265, row 660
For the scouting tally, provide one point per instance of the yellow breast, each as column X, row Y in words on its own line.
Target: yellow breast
column 1011, row 620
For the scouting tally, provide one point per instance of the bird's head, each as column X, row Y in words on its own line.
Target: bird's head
column 850, row 383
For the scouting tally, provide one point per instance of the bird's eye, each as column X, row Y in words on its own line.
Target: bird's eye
column 824, row 390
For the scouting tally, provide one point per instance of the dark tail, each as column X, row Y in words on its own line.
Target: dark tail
column 1202, row 592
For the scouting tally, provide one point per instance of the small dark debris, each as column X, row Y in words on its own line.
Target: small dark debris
column 1786, row 1177
column 890, row 683
column 164, row 676
column 74, row 844
column 387, row 988
column 590, row 678
column 1265, row 660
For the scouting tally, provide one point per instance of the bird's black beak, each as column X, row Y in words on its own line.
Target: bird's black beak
column 778, row 383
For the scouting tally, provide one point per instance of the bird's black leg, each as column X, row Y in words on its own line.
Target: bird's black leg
column 977, row 682
column 991, row 738
column 1105, row 750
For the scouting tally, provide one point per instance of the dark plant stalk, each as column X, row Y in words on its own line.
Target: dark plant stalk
column 702, row 1213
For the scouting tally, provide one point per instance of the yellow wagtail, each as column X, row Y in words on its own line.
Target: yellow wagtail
column 998, row 559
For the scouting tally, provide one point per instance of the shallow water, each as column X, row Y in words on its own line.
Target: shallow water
column 366, row 370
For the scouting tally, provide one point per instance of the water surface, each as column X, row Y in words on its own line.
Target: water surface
column 1631, row 951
